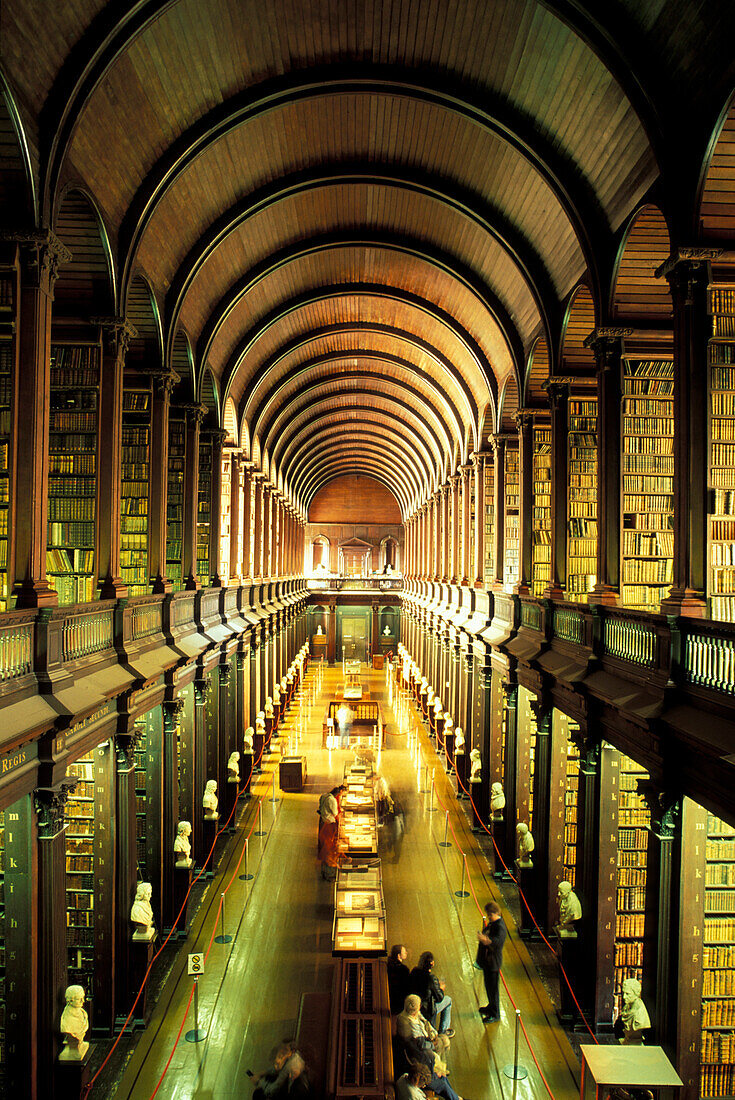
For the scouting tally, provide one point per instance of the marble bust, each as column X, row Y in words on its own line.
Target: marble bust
column 233, row 767
column 386, row 631
column 634, row 1016
column 247, row 739
column 437, row 705
column 74, row 1025
column 276, row 695
column 141, row 913
column 570, row 911
column 260, row 723
column 475, row 766
column 497, row 801
column 448, row 724
column 210, row 801
column 182, row 844
column 319, row 630
column 269, row 707
column 526, row 845
column 459, row 741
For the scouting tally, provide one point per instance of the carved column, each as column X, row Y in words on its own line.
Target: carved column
column 50, row 803
column 195, row 415
column 163, row 384
column 258, row 528
column 116, row 335
column 607, row 346
column 559, row 402
column 172, row 712
column 41, row 254
column 688, row 277
column 524, row 422
column 202, row 688
column 478, row 461
column 466, row 520
column 265, row 528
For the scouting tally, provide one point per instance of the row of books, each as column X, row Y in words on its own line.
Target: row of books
column 721, row 355
column 719, row 983
column 134, row 525
column 719, row 901
column 718, row 1013
column 719, row 929
column 69, row 561
column 73, row 422
column 629, row 926
column 722, row 553
column 722, row 608
column 646, row 544
column 70, row 508
column 135, row 454
column 720, row 849
column 642, row 596
column 722, row 403
column 70, row 443
column 647, row 464
column 646, row 521
column 648, row 571
column 629, row 953
column 722, row 581
column 136, row 400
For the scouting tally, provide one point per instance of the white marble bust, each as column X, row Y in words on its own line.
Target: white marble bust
column 459, row 741
column 386, row 631
column 475, row 766
column 570, row 910
column 634, row 1014
column 141, row 913
column 269, row 707
column 210, row 801
column 319, row 629
column 260, row 723
column 497, row 801
column 526, row 845
column 276, row 694
column 233, row 767
column 247, row 740
column 74, row 1025
column 438, row 707
column 182, row 844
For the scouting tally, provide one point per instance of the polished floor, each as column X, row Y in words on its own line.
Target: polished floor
column 280, row 924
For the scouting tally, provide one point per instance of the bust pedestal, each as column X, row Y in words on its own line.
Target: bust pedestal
column 432, row 725
column 182, row 881
column 246, row 774
column 258, row 743
column 462, row 765
column 231, row 789
column 449, row 751
column 270, row 726
column 569, row 959
column 526, row 881
column 140, row 956
column 476, row 794
column 210, row 825
column 497, row 828
column 73, row 1075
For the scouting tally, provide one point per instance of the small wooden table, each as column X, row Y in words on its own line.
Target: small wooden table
column 638, row 1067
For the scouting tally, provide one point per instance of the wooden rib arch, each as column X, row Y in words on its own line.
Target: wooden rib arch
column 716, row 199
column 18, row 198
column 337, row 441
column 182, row 361
column 373, row 466
column 579, row 322
column 86, row 284
column 537, row 371
column 146, row 348
column 637, row 295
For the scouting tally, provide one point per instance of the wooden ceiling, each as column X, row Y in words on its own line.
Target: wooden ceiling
column 357, row 220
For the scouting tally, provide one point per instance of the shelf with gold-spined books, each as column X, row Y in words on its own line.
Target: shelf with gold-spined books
column 511, row 543
column 721, row 481
column 571, row 793
column 9, row 297
column 717, row 1053
column 135, row 485
column 541, row 513
column 489, row 521
column 647, row 518
column 582, row 497
column 225, row 513
column 72, row 470
column 634, row 819
column 175, row 497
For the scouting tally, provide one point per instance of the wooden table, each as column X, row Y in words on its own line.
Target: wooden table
column 638, row 1067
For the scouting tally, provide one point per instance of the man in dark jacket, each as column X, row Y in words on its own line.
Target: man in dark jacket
column 399, row 977
column 490, row 959
column 432, row 993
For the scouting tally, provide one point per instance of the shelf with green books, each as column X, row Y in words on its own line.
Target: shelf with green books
column 72, row 482
column 541, row 514
column 204, row 509
column 135, row 480
column 647, row 536
column 721, row 525
column 512, row 530
column 80, row 907
column 175, row 498
column 717, row 1051
column 582, row 498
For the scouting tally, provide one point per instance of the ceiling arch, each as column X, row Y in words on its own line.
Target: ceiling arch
column 371, row 462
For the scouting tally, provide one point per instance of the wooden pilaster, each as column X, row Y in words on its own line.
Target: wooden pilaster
column 524, row 422
column 607, row 345
column 163, row 384
column 559, row 402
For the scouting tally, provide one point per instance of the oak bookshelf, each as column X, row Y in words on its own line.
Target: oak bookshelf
column 541, row 517
column 8, row 313
column 80, row 899
column 225, row 514
column 512, row 529
column 489, row 522
column 175, row 499
column 634, row 820
column 72, row 483
column 204, row 510
column 717, row 1052
column 582, row 498
column 134, row 496
column 721, row 525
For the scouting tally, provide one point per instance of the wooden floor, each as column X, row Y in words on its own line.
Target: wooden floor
column 281, row 928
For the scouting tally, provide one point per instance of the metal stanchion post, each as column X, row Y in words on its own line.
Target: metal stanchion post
column 273, row 795
column 260, row 831
column 516, row 1072
column 197, row 1034
column 246, row 877
column 223, row 937
column 462, row 893
column 445, row 843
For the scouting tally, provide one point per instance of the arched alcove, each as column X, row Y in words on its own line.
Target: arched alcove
column 579, row 322
column 85, row 287
column 637, row 295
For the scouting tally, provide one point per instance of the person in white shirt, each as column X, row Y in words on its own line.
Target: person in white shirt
column 411, row 1086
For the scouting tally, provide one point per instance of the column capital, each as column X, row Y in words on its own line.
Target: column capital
column 117, row 332
column 690, row 259
column 125, row 746
column 41, row 254
column 557, row 391
column 217, row 435
column 50, row 804
column 196, row 414
column 606, row 343
column 164, row 381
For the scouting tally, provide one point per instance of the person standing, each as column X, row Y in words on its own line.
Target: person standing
column 328, row 838
column 344, row 722
column 490, row 959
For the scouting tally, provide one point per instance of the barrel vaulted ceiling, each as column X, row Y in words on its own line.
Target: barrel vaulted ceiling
column 360, row 216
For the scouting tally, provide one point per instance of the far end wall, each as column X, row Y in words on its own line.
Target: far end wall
column 356, row 513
